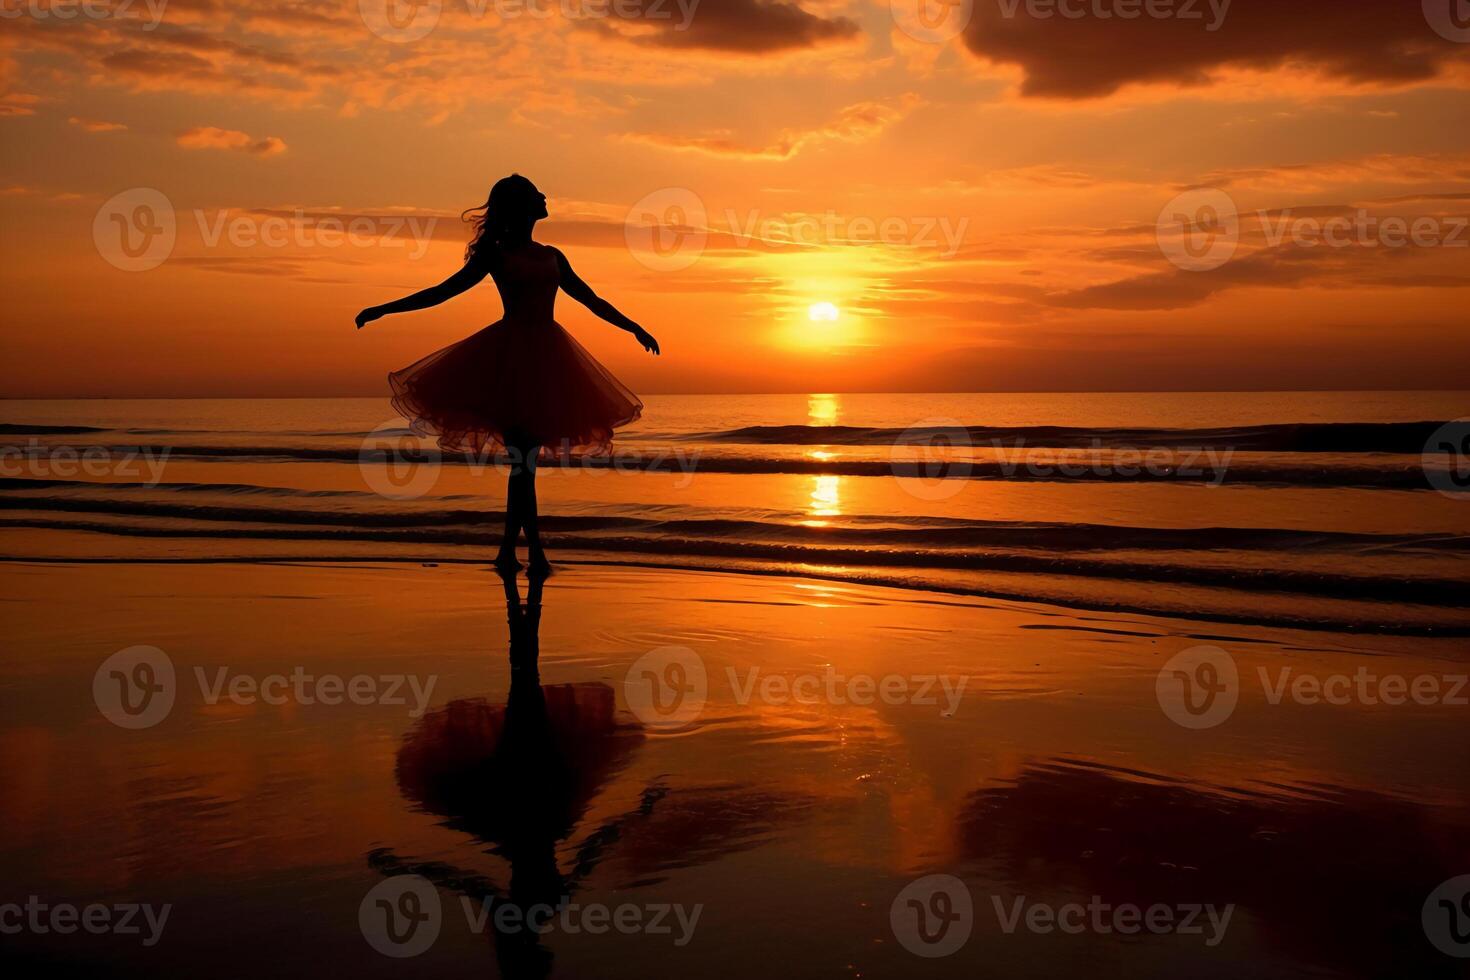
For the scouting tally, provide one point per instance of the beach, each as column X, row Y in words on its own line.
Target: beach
column 1144, row 685
column 790, row 817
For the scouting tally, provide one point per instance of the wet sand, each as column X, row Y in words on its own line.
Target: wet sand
column 853, row 741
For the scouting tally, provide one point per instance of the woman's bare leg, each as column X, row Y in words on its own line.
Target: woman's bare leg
column 527, row 511
column 505, row 559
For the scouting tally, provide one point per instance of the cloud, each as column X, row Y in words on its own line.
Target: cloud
column 731, row 26
column 214, row 138
column 97, row 125
column 1367, row 265
column 1373, row 42
column 853, row 123
column 1381, row 168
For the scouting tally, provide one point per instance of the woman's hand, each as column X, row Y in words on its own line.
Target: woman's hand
column 368, row 316
column 646, row 339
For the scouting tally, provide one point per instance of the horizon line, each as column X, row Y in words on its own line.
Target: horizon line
column 805, row 392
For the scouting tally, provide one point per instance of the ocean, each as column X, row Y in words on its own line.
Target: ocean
column 1305, row 509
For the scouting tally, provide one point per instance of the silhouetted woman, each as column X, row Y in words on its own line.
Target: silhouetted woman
column 523, row 383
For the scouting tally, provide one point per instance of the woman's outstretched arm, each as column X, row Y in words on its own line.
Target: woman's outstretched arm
column 578, row 290
column 471, row 274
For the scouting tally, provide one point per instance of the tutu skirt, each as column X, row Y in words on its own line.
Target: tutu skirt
column 516, row 382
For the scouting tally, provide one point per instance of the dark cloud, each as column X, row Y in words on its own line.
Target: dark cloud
column 1360, row 41
column 1279, row 267
column 737, row 26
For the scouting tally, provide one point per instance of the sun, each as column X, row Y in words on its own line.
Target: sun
column 823, row 313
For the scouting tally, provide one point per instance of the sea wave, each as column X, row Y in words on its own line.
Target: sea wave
column 1299, row 437
column 1178, row 464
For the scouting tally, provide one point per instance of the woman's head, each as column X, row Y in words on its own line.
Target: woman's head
column 514, row 205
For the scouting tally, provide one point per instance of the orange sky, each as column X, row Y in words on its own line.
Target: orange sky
column 982, row 209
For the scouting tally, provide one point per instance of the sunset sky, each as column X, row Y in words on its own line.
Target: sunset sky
column 982, row 211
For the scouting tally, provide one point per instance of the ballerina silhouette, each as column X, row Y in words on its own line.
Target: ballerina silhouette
column 522, row 385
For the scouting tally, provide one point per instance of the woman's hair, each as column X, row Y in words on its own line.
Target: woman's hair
column 493, row 220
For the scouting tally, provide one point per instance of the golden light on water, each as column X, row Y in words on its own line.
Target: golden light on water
column 826, row 496
column 823, row 409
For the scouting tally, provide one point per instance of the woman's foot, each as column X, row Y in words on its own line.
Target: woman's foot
column 539, row 567
column 505, row 563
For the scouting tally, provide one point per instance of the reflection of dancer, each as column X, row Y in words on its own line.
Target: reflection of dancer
column 523, row 383
column 519, row 777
